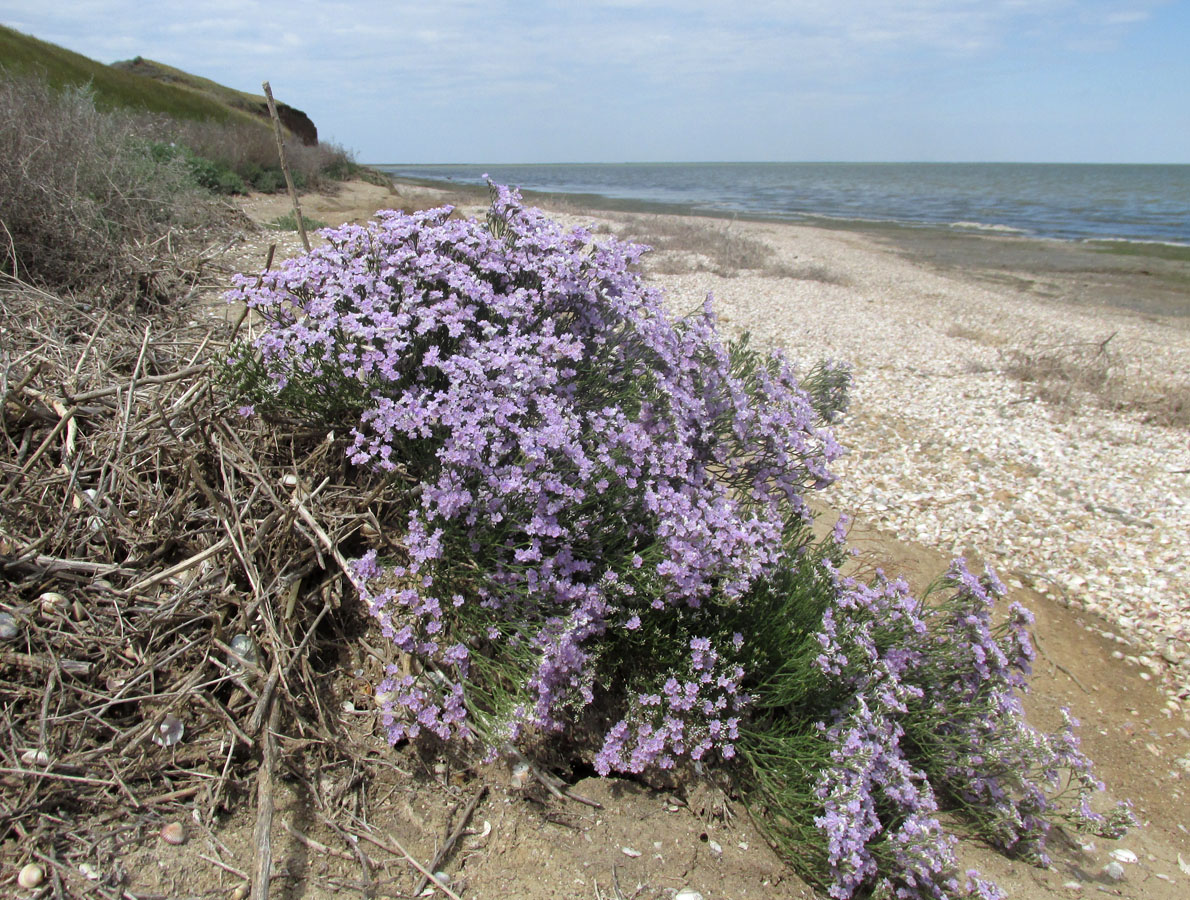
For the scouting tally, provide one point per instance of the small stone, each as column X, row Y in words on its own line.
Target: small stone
column 31, row 876
column 174, row 833
column 1114, row 871
column 9, row 628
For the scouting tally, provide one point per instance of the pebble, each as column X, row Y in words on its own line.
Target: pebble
column 9, row 628
column 31, row 876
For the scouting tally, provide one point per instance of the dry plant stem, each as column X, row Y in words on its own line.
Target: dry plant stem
column 392, row 845
column 263, row 860
column 449, row 843
column 297, row 207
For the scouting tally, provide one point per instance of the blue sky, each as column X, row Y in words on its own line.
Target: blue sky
column 682, row 80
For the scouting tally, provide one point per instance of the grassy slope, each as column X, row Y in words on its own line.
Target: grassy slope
column 115, row 88
column 168, row 75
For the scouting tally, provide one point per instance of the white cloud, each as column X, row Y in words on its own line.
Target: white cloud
column 354, row 64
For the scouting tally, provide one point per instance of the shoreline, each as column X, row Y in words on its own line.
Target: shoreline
column 1164, row 248
column 1149, row 277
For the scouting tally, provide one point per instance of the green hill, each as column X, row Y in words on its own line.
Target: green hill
column 142, row 85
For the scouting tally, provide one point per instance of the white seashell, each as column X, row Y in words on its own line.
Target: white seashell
column 169, row 732
column 628, row 851
column 238, row 893
column 51, row 602
column 687, row 894
column 9, row 628
column 289, row 480
column 89, row 871
column 243, row 652
column 31, row 876
column 716, row 847
column 33, row 757
column 174, row 833
column 1114, row 871
column 1120, row 854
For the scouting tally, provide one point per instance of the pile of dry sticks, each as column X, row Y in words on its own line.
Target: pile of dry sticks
column 174, row 611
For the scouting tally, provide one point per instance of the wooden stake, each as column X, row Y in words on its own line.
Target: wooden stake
column 297, row 207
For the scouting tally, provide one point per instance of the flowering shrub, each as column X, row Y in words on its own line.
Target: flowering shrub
column 896, row 709
column 606, row 524
column 588, row 471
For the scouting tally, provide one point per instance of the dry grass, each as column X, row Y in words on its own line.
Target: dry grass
column 82, row 202
column 1080, row 373
column 685, row 244
column 251, row 151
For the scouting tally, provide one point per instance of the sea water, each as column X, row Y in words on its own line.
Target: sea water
column 1069, row 202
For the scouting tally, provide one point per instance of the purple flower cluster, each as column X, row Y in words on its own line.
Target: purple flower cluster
column 580, row 462
column 931, row 715
column 684, row 718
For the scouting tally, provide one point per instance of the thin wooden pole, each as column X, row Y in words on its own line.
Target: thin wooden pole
column 293, row 197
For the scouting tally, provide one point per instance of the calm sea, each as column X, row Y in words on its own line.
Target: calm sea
column 1070, row 202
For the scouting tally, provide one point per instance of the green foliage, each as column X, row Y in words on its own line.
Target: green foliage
column 288, row 222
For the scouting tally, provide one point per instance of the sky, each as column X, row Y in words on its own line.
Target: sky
column 485, row 81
